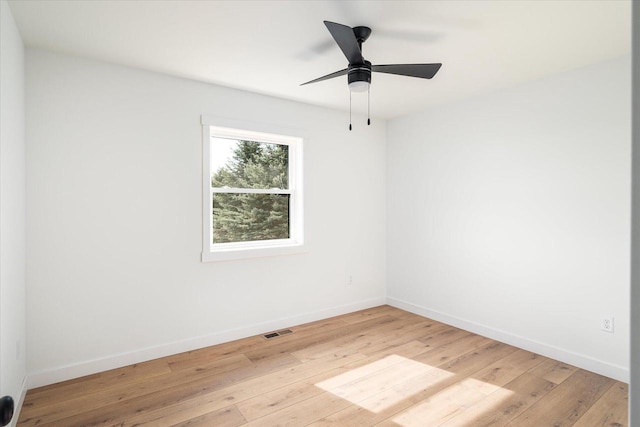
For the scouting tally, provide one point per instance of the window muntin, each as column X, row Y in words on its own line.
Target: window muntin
column 253, row 192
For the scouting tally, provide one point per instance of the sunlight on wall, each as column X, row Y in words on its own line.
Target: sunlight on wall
column 382, row 384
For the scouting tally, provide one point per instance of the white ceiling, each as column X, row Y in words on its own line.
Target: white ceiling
column 271, row 47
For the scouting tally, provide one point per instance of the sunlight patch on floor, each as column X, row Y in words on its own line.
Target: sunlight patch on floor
column 384, row 383
column 381, row 384
column 452, row 401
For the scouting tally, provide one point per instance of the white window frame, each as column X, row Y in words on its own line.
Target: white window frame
column 258, row 248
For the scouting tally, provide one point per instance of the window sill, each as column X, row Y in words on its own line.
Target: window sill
column 247, row 253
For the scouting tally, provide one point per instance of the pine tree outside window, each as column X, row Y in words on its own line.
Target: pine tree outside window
column 252, row 193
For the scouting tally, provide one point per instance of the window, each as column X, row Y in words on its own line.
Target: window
column 251, row 193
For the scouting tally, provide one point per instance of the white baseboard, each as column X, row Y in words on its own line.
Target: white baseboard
column 616, row 372
column 63, row 373
column 19, row 402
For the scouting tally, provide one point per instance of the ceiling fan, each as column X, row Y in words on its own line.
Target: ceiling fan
column 359, row 70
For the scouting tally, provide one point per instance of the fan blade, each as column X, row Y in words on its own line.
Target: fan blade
column 423, row 71
column 347, row 42
column 328, row 76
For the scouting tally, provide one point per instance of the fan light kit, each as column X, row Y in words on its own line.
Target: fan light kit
column 359, row 86
column 359, row 70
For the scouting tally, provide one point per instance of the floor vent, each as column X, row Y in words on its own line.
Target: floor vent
column 277, row 333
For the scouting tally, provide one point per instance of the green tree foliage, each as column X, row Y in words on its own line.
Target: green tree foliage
column 240, row 217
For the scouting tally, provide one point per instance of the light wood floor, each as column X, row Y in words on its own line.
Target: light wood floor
column 381, row 366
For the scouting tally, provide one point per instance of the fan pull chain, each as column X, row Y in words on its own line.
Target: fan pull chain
column 349, row 110
column 369, row 105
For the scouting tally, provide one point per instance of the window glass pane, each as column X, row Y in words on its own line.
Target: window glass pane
column 249, row 164
column 242, row 217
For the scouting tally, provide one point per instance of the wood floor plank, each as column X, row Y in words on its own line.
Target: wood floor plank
column 609, row 411
column 289, row 395
column 196, row 357
column 379, row 366
column 566, row 403
column 554, row 371
column 504, row 404
column 507, row 369
column 75, row 388
column 268, row 403
column 302, row 342
column 203, row 400
column 417, row 331
column 378, row 338
column 227, row 417
column 215, row 374
column 304, row 412
column 451, row 348
column 370, row 313
column 437, row 408
column 211, row 375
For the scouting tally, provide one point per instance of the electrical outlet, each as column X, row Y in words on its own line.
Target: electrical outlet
column 606, row 324
column 349, row 280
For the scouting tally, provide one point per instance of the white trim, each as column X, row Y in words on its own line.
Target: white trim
column 63, row 373
column 207, row 196
column 253, row 126
column 216, row 127
column 250, row 190
column 296, row 185
column 269, row 138
column 257, row 244
column 617, row 372
column 235, row 253
column 19, row 402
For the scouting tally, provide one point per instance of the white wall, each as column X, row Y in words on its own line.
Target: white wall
column 12, row 208
column 114, row 220
column 509, row 214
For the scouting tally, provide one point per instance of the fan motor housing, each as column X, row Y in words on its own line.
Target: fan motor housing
column 360, row 73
